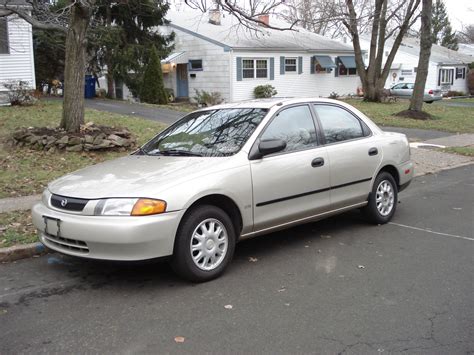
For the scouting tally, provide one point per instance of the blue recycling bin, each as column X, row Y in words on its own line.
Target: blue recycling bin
column 89, row 89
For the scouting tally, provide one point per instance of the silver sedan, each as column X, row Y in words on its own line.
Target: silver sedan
column 406, row 90
column 223, row 174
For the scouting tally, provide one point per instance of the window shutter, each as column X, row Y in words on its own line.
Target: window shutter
column 336, row 69
column 300, row 65
column 4, row 47
column 464, row 73
column 282, row 65
column 452, row 76
column 439, row 77
column 272, row 68
column 239, row 68
column 313, row 62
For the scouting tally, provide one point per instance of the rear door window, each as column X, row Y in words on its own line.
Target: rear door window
column 339, row 125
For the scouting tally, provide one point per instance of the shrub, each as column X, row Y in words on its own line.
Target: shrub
column 170, row 94
column 20, row 93
column 452, row 93
column 153, row 90
column 264, row 91
column 208, row 98
column 470, row 81
column 333, row 95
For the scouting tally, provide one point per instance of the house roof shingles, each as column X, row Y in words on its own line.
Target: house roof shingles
column 233, row 35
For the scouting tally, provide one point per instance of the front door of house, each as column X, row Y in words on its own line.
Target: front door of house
column 182, row 80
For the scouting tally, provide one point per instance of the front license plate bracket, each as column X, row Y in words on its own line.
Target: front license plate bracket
column 57, row 221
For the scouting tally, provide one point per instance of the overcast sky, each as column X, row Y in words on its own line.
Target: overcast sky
column 461, row 12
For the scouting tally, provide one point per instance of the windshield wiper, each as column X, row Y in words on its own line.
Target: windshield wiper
column 178, row 152
column 140, row 151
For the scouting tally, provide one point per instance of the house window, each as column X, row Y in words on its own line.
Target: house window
column 446, row 76
column 254, row 68
column 4, row 47
column 407, row 72
column 460, row 73
column 290, row 65
column 195, row 65
column 347, row 71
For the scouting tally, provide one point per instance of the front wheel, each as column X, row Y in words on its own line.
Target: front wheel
column 204, row 244
column 382, row 200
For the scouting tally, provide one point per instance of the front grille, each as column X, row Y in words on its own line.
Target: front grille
column 67, row 244
column 68, row 203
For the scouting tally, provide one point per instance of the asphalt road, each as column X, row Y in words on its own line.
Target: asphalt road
column 336, row 286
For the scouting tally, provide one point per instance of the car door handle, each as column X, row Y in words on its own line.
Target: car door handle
column 317, row 162
column 373, row 151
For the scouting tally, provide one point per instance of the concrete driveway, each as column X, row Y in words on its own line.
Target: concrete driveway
column 336, row 286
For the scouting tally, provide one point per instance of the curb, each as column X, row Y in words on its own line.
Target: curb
column 18, row 252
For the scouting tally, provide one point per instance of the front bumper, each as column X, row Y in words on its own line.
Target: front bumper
column 107, row 237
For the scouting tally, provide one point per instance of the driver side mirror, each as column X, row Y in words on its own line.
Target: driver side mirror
column 266, row 147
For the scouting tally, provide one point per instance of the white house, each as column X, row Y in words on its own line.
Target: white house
column 214, row 53
column 16, row 48
column 447, row 68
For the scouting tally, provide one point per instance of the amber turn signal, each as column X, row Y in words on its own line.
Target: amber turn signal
column 147, row 206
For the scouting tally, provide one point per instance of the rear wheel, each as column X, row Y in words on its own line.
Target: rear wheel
column 204, row 244
column 429, row 102
column 382, row 200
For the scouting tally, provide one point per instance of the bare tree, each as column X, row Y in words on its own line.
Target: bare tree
column 389, row 19
column 466, row 34
column 416, row 102
column 74, row 20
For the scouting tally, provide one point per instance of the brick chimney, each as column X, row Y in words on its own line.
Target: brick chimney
column 215, row 17
column 265, row 19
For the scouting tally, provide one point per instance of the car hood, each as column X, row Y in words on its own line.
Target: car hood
column 134, row 176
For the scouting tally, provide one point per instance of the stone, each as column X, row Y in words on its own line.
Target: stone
column 63, row 140
column 119, row 141
column 99, row 138
column 52, row 150
column 88, row 139
column 74, row 148
column 105, row 144
column 74, row 140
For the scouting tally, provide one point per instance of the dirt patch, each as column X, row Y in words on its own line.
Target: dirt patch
column 417, row 115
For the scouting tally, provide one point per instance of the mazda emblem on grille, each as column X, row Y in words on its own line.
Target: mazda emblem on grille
column 64, row 202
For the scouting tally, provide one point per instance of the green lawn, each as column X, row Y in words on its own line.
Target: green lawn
column 16, row 228
column 26, row 172
column 445, row 118
column 467, row 151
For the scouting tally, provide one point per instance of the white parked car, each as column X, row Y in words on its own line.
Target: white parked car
column 223, row 174
column 406, row 90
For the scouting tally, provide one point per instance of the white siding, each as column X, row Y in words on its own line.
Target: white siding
column 409, row 61
column 215, row 63
column 293, row 85
column 19, row 63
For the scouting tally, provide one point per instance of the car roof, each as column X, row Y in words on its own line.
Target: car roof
column 269, row 103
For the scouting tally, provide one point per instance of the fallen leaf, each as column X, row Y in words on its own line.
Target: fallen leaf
column 457, row 208
column 326, row 236
column 282, row 289
column 287, row 304
column 253, row 260
column 228, row 306
column 361, row 267
column 179, row 339
column 306, row 246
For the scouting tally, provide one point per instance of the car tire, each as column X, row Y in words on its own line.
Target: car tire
column 429, row 102
column 204, row 244
column 382, row 200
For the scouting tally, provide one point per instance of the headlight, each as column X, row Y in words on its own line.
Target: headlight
column 129, row 207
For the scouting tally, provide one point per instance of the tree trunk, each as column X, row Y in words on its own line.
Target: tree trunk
column 416, row 101
column 74, row 70
column 110, row 82
column 108, row 59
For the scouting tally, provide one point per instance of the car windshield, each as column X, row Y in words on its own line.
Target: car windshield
column 207, row 133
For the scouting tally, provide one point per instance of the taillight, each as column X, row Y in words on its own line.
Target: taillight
column 431, row 92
